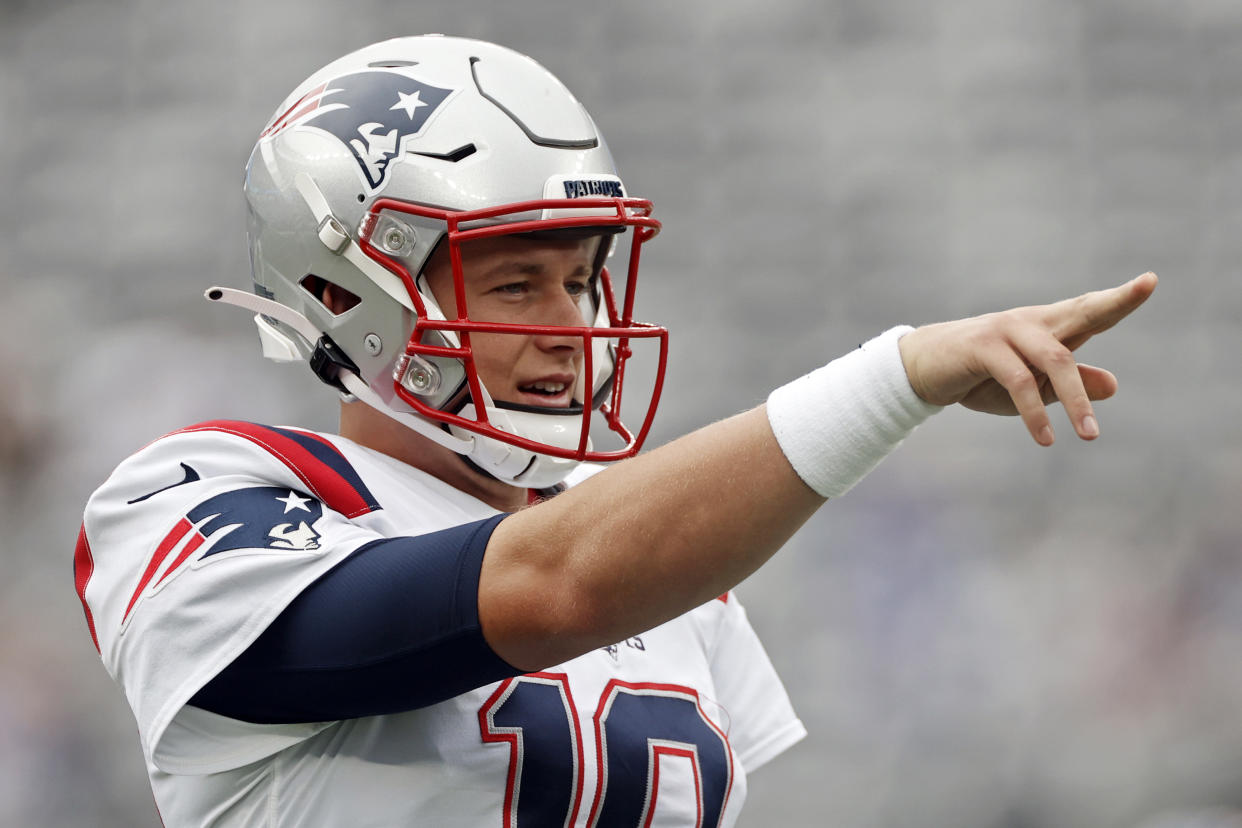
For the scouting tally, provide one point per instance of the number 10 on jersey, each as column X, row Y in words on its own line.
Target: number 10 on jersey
column 636, row 726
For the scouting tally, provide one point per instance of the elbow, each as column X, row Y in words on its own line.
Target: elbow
column 549, row 592
column 547, row 618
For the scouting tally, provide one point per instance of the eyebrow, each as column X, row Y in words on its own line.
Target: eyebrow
column 531, row 269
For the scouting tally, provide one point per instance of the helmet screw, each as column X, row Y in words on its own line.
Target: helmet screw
column 373, row 344
column 394, row 239
column 418, row 375
column 420, row 378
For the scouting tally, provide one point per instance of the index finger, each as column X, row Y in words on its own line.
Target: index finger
column 1074, row 321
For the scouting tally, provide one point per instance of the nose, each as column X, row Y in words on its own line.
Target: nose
column 563, row 311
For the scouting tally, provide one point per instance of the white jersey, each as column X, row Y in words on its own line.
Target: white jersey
column 179, row 573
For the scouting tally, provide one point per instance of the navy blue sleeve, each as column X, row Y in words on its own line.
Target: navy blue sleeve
column 393, row 627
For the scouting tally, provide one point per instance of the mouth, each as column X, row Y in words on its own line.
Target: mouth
column 547, row 392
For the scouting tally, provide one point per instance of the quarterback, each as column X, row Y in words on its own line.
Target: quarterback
column 478, row 604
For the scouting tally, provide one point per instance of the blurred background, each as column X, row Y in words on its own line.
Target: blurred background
column 983, row 634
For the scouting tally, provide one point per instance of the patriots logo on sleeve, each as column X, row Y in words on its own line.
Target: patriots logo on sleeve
column 255, row 518
column 373, row 113
column 259, row 517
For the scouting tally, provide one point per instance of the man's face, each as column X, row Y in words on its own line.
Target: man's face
column 522, row 281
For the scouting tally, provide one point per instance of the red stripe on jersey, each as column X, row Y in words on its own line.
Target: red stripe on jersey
column 724, row 599
column 326, row 483
column 170, row 540
column 83, row 568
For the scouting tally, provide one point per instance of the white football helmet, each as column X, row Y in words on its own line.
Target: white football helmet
column 390, row 151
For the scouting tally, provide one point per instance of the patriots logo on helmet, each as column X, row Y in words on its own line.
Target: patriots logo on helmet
column 373, row 113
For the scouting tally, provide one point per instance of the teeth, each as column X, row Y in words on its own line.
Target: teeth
column 549, row 387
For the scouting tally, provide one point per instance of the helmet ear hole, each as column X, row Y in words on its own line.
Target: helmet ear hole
column 335, row 299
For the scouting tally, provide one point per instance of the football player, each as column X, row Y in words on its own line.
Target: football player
column 447, row 613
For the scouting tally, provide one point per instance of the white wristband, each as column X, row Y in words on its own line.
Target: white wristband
column 838, row 422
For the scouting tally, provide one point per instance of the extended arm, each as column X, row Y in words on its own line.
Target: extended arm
column 650, row 538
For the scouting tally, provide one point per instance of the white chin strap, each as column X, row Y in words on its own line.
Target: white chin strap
column 507, row 463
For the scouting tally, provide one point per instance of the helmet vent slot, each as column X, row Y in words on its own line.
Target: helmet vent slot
column 391, row 64
column 455, row 155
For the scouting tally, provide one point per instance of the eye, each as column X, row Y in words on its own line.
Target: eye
column 577, row 289
column 515, row 289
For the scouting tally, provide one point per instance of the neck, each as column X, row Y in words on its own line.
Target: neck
column 379, row 432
